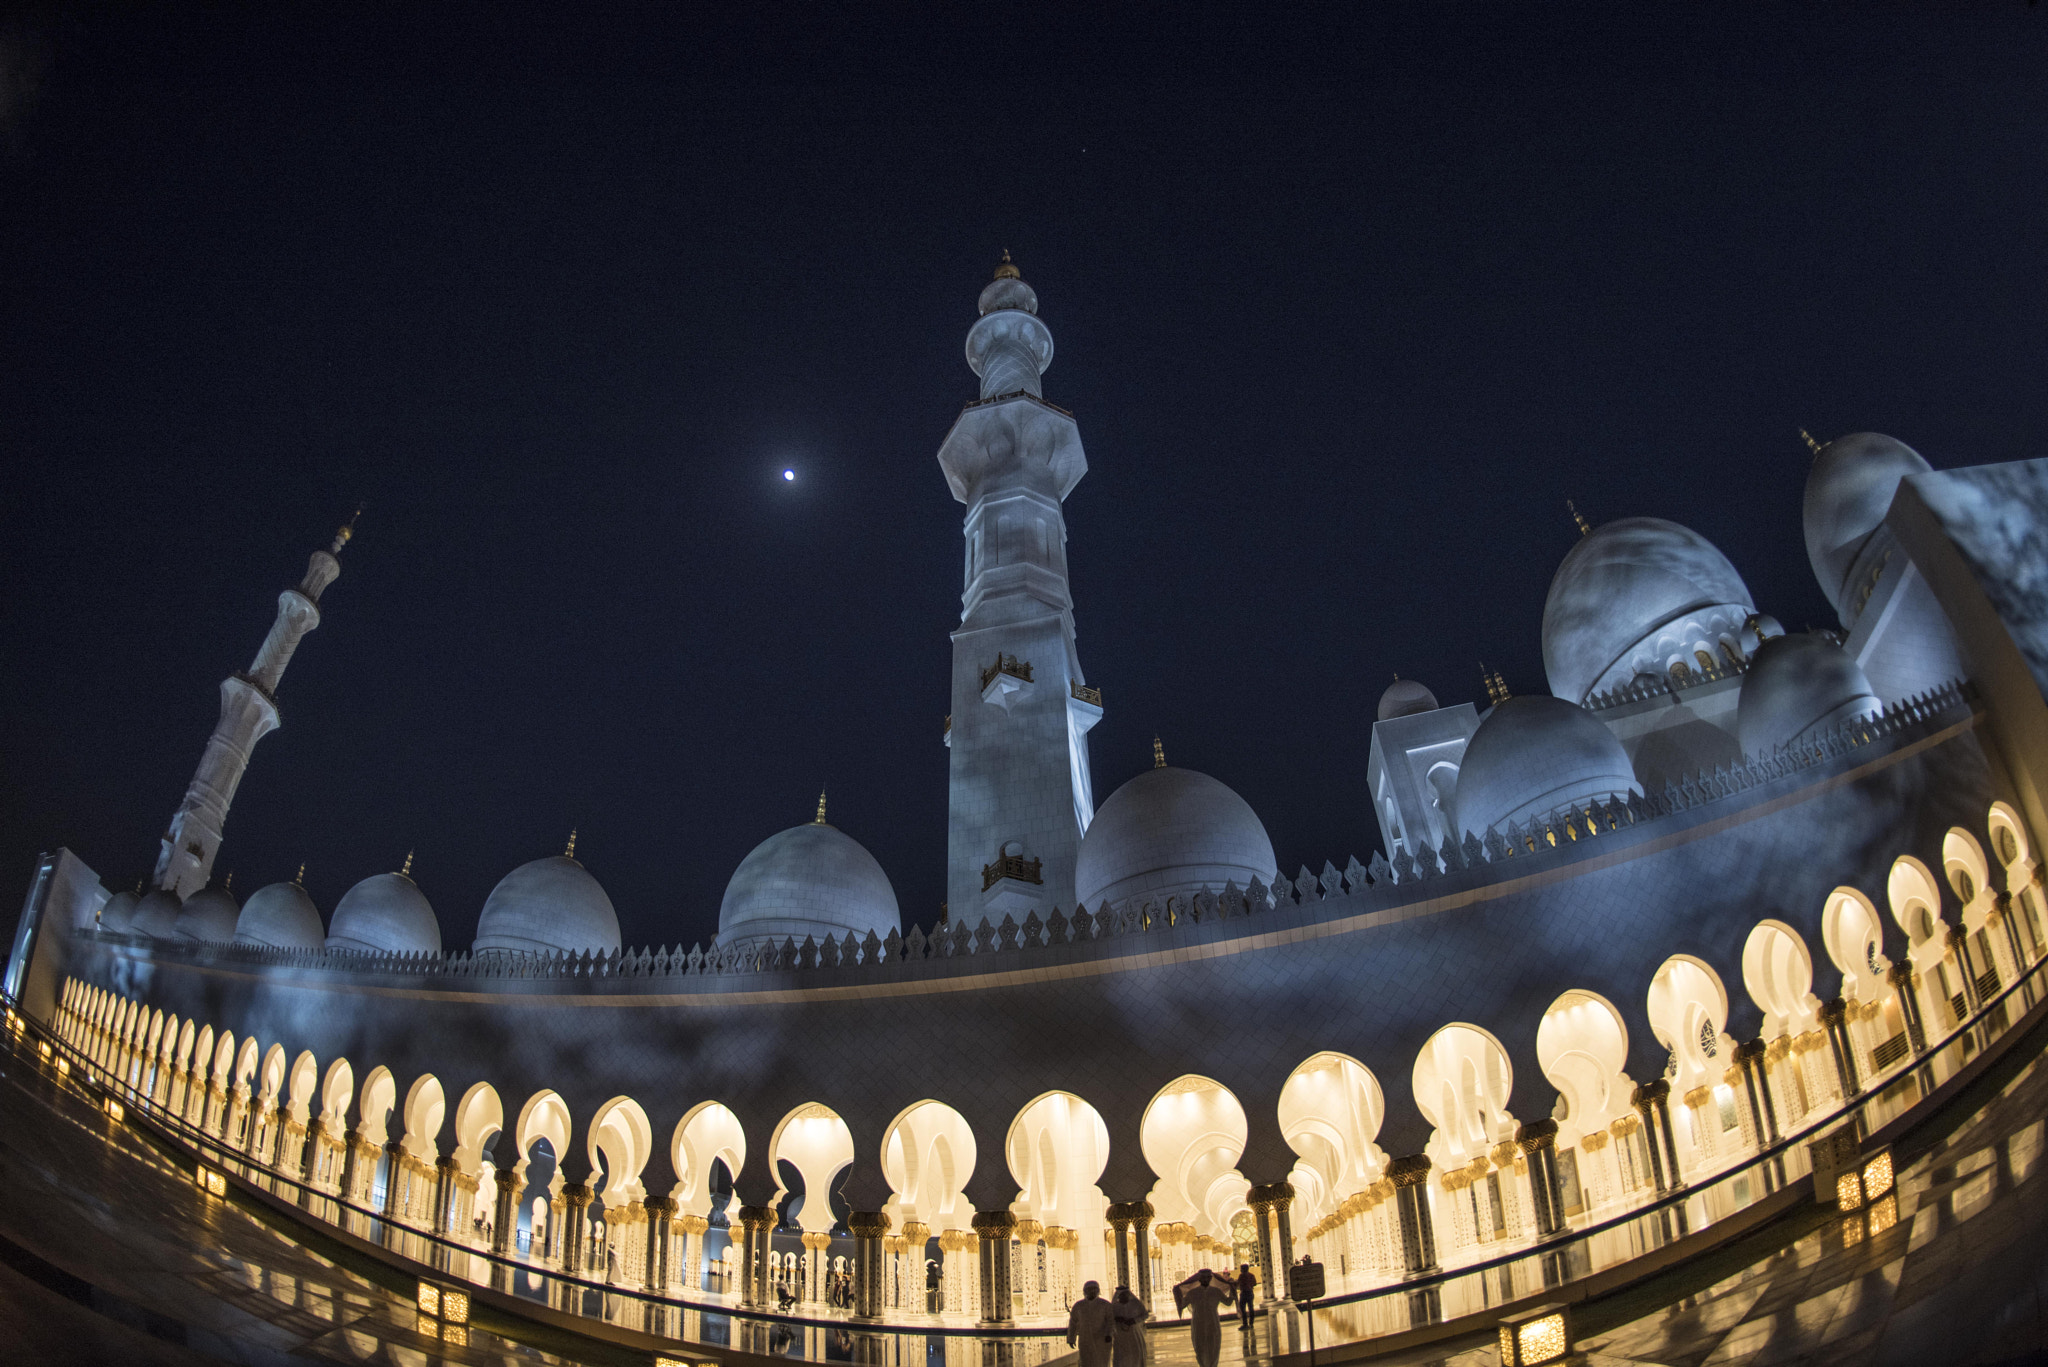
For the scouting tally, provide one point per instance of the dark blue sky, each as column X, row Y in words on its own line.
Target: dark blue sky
column 1345, row 314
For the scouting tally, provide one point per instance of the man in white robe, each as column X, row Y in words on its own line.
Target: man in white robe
column 1091, row 1326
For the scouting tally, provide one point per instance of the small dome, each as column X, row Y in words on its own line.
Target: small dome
column 280, row 916
column 1848, row 492
column 156, row 915
column 209, row 916
column 1533, row 755
column 1799, row 688
column 1405, row 698
column 1636, row 596
column 549, row 905
column 386, row 913
column 118, row 914
column 1171, row 833
column 812, row 880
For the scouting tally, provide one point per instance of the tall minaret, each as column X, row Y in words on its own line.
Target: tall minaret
column 1021, row 707
column 248, row 713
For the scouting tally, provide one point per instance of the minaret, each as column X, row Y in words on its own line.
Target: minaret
column 248, row 713
column 1021, row 707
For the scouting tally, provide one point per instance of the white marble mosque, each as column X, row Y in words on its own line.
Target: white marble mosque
column 1712, row 886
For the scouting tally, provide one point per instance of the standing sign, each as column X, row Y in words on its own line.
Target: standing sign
column 1304, row 1288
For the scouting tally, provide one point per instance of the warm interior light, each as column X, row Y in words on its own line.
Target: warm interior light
column 455, row 1306
column 1877, row 1175
column 43, row 1048
column 427, row 1325
column 1541, row 1340
column 1849, row 1191
column 455, row 1334
column 429, row 1299
column 115, row 1109
column 63, row 1067
column 1884, row 1213
column 216, row 1184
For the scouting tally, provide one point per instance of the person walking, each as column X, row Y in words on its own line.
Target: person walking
column 1130, row 1329
column 1203, row 1296
column 1247, row 1296
column 1091, row 1326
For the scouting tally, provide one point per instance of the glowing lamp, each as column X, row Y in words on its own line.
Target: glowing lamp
column 1849, row 1190
column 1884, row 1213
column 43, row 1048
column 429, row 1300
column 1543, row 1334
column 210, row 1182
column 114, row 1109
column 63, row 1067
column 446, row 1306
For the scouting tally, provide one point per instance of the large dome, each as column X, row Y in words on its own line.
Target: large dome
column 386, row 913
column 1533, row 755
column 1638, row 596
column 119, row 912
column 1848, row 492
column 1799, row 687
column 813, row 880
column 156, row 915
column 209, row 915
column 549, row 905
column 280, row 916
column 1170, row 833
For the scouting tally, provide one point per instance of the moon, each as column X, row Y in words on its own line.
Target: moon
column 789, row 475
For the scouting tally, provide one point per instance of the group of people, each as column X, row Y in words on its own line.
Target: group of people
column 1111, row 1333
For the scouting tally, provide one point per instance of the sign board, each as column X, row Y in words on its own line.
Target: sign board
column 1305, row 1281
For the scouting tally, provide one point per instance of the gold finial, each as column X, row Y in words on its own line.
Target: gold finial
column 1007, row 271
column 299, row 878
column 229, row 885
column 348, row 529
column 570, row 852
column 820, row 820
column 1585, row 527
column 1158, row 754
column 1811, row 444
column 1502, row 685
column 406, row 871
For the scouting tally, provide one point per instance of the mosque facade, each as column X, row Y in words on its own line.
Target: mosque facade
column 1714, row 885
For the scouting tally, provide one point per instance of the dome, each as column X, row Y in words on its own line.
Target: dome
column 119, row 913
column 1167, row 833
column 1405, row 698
column 812, row 880
column 1799, row 687
column 386, row 913
column 1848, row 492
column 1533, row 755
column 1637, row 596
column 549, row 905
column 209, row 915
column 280, row 916
column 156, row 914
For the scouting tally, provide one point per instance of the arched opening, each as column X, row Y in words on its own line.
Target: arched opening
column 1688, row 1011
column 1915, row 899
column 1057, row 1149
column 619, row 1143
column 928, row 1155
column 1331, row 1108
column 708, row 1149
column 807, row 1152
column 2014, row 852
column 1192, row 1135
column 1461, row 1081
column 1854, row 939
column 1582, row 1047
column 1777, row 972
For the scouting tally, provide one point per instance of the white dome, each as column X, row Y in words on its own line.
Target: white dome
column 156, row 914
column 1848, row 492
column 386, row 913
column 1171, row 833
column 119, row 912
column 209, row 915
column 812, row 880
column 280, row 916
column 1633, row 597
column 1405, row 698
column 1799, row 687
column 1533, row 755
column 549, row 905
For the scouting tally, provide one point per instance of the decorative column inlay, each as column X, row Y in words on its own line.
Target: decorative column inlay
column 994, row 1228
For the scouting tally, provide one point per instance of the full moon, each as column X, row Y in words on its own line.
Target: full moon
column 789, row 474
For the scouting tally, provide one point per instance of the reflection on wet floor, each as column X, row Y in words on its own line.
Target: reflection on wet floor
column 108, row 1254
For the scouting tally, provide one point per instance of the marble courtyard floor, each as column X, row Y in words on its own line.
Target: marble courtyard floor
column 107, row 1254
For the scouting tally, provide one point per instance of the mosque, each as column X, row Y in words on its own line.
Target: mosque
column 1720, row 883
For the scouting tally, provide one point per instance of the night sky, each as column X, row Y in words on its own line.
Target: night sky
column 1345, row 316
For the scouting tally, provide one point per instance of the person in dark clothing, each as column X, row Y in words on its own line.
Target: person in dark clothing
column 1247, row 1296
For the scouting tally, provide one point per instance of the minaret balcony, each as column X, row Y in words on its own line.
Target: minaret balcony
column 1013, row 885
column 1003, row 681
